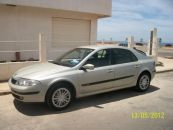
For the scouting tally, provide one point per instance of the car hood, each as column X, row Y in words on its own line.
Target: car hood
column 40, row 70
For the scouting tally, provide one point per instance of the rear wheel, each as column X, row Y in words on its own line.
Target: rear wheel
column 143, row 82
column 59, row 97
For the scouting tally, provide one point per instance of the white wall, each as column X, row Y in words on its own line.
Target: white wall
column 101, row 7
column 22, row 24
column 25, row 23
column 10, row 68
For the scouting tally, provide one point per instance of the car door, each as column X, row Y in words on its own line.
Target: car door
column 126, row 67
column 100, row 78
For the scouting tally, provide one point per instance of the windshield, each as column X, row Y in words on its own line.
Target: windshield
column 73, row 57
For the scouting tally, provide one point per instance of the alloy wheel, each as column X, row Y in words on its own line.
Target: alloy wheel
column 144, row 82
column 61, row 97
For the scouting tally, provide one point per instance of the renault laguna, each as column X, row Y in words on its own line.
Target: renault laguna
column 83, row 71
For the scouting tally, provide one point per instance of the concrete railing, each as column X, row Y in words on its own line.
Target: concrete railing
column 15, row 51
column 15, row 55
column 18, row 54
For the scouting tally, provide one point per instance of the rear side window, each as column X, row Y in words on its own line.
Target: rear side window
column 120, row 56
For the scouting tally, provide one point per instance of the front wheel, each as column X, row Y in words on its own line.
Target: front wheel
column 59, row 97
column 143, row 82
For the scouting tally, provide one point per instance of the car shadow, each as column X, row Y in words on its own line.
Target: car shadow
column 38, row 109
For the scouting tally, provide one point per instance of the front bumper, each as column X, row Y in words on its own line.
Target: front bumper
column 27, row 94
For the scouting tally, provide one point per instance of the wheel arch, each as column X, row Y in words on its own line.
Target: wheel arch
column 145, row 71
column 62, row 82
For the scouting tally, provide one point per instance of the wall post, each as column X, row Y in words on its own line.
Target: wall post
column 131, row 42
column 153, row 45
column 42, row 49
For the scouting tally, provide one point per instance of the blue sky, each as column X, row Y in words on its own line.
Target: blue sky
column 137, row 18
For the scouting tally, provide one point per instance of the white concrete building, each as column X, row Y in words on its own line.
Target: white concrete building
column 64, row 24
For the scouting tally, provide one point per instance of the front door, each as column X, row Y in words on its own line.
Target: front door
column 101, row 77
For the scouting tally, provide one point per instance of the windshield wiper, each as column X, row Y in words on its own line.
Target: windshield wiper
column 54, row 62
column 57, row 63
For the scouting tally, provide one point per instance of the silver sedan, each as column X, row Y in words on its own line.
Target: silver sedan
column 83, row 71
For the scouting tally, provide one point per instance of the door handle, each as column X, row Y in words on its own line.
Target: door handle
column 137, row 66
column 110, row 70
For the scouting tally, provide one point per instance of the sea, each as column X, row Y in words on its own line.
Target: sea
column 162, row 44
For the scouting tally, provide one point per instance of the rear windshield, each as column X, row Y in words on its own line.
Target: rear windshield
column 141, row 52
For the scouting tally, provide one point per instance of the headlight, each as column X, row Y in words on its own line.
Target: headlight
column 26, row 82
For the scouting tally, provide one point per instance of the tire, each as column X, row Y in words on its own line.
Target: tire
column 143, row 82
column 59, row 97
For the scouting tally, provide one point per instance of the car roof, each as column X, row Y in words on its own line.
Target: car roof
column 103, row 46
column 108, row 46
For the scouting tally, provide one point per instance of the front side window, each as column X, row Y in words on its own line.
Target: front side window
column 120, row 56
column 100, row 58
column 73, row 57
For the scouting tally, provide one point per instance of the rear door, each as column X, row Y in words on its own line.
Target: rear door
column 126, row 67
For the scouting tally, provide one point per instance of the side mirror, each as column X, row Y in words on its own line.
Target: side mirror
column 88, row 67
